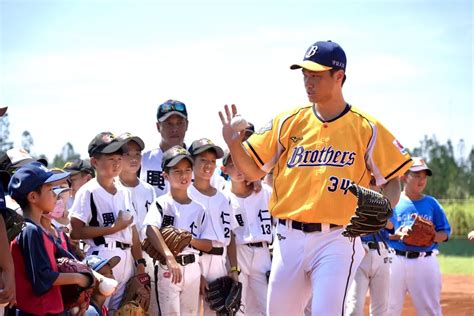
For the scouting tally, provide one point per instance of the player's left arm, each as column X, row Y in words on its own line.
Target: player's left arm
column 137, row 250
column 442, row 227
column 232, row 254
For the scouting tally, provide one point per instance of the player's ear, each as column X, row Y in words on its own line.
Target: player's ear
column 94, row 162
column 340, row 75
column 166, row 176
column 158, row 127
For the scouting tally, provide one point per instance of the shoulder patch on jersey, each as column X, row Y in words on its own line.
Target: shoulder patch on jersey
column 265, row 128
column 400, row 147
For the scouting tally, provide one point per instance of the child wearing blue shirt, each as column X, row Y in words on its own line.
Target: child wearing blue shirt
column 415, row 269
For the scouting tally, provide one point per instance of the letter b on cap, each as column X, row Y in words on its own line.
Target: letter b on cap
column 311, row 51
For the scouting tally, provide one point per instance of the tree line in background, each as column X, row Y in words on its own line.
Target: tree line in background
column 453, row 170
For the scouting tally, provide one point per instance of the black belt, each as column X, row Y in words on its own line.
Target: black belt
column 307, row 227
column 372, row 245
column 120, row 245
column 217, row 251
column 412, row 254
column 185, row 259
column 256, row 244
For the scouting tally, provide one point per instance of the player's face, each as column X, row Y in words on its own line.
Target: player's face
column 108, row 166
column 173, row 130
column 416, row 181
column 46, row 199
column 131, row 158
column 181, row 175
column 77, row 181
column 320, row 85
column 204, row 165
column 235, row 174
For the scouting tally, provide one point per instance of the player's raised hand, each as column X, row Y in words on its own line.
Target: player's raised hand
column 228, row 132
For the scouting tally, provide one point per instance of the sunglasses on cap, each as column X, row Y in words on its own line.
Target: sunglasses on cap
column 175, row 106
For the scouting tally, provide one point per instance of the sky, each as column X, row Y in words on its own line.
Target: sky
column 71, row 69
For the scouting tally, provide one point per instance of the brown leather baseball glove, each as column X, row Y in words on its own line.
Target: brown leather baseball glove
column 175, row 238
column 75, row 295
column 421, row 233
column 138, row 290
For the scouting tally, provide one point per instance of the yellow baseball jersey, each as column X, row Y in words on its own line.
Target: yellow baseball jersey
column 314, row 162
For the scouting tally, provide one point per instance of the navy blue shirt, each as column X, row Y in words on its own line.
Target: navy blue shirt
column 37, row 264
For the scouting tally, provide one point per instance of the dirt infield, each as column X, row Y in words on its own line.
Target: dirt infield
column 457, row 297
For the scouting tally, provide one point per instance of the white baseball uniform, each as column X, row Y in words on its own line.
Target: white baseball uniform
column 253, row 234
column 181, row 298
column 373, row 274
column 152, row 173
column 107, row 207
column 221, row 220
column 143, row 195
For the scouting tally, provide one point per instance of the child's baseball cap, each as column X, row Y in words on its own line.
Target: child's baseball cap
column 17, row 157
column 203, row 144
column 169, row 108
column 30, row 177
column 128, row 137
column 419, row 164
column 104, row 143
column 96, row 263
column 322, row 56
column 76, row 166
column 175, row 154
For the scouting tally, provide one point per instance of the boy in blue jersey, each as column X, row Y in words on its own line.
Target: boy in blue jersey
column 415, row 269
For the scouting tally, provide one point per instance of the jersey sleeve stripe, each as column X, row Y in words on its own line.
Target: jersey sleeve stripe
column 255, row 154
column 396, row 170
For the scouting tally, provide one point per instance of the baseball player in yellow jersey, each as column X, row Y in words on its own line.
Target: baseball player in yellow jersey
column 316, row 151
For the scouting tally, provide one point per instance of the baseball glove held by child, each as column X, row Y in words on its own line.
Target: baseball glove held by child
column 371, row 215
column 422, row 232
column 72, row 294
column 176, row 239
column 224, row 295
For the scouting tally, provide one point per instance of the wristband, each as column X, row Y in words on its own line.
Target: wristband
column 235, row 269
column 142, row 261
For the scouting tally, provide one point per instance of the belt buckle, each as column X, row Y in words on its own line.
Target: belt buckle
column 302, row 226
column 183, row 260
column 412, row 254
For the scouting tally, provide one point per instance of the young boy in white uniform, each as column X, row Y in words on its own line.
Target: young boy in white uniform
column 177, row 209
column 252, row 237
column 143, row 196
column 103, row 215
column 216, row 204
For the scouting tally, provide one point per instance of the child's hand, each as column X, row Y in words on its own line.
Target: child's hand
column 173, row 267
column 7, row 290
column 83, row 280
column 122, row 222
column 203, row 285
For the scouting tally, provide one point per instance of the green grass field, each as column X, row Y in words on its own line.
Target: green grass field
column 457, row 257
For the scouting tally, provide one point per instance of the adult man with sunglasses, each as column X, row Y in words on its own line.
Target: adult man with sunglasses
column 172, row 124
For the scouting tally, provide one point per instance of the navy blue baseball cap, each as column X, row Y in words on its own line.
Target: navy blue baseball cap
column 322, row 56
column 96, row 263
column 30, row 177
column 169, row 108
